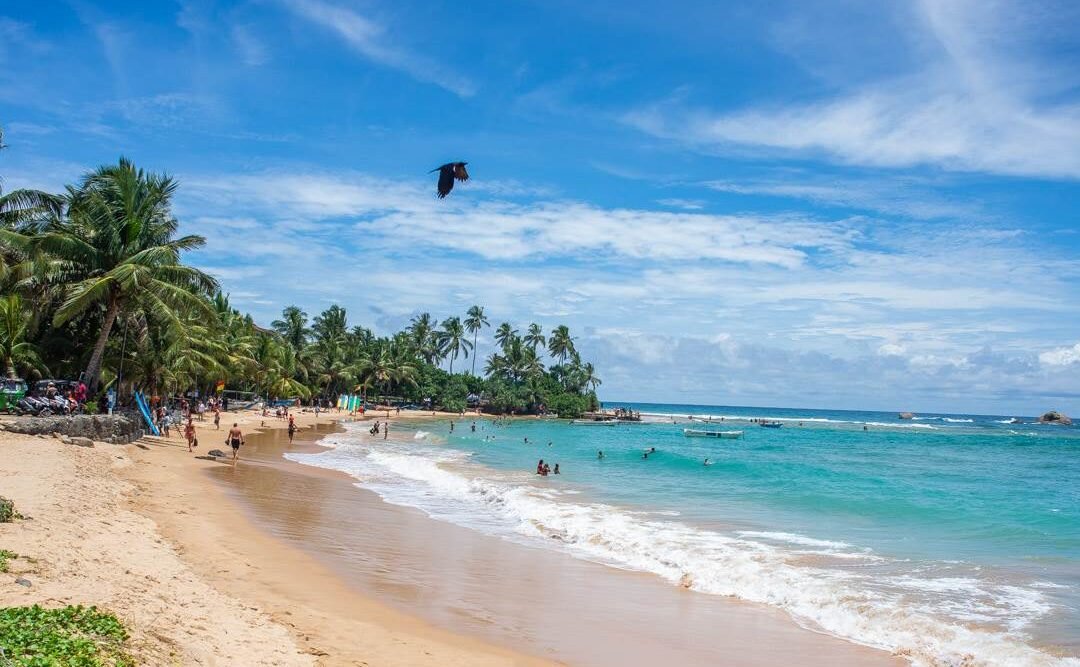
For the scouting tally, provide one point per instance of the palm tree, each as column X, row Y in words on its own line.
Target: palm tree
column 331, row 324
column 588, row 377
column 15, row 350
column 504, row 333
column 20, row 206
column 293, row 327
column 475, row 321
column 422, row 332
column 117, row 250
column 561, row 344
column 452, row 340
column 534, row 338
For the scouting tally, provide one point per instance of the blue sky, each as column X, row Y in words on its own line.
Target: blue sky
column 820, row 204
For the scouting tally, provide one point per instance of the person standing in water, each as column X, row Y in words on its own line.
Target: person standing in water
column 386, row 431
column 599, row 454
column 235, row 439
column 556, row 471
column 292, row 429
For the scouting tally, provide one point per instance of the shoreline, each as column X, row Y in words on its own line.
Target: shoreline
column 285, row 593
column 514, row 611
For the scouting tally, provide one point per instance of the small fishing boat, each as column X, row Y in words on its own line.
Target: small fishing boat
column 595, row 422
column 703, row 433
column 771, row 424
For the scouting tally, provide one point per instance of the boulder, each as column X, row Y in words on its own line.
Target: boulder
column 119, row 428
column 81, row 442
column 905, row 415
column 217, row 453
column 1055, row 417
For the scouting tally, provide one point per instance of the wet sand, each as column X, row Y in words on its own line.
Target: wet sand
column 530, row 600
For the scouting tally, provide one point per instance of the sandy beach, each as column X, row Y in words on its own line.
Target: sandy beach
column 275, row 563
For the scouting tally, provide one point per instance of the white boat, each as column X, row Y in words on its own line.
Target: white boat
column 595, row 422
column 702, row 433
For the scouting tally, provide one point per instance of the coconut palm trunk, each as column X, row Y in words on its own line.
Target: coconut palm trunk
column 93, row 368
column 473, row 372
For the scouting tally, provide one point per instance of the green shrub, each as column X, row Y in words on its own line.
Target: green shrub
column 568, row 406
column 7, row 511
column 5, row 556
column 71, row 636
column 90, row 407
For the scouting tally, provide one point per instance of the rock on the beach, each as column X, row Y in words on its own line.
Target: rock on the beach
column 23, row 582
column 120, row 428
column 216, row 452
column 81, row 442
column 1055, row 417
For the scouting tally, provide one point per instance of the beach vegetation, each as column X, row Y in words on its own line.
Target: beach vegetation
column 8, row 513
column 74, row 636
column 5, row 556
column 94, row 284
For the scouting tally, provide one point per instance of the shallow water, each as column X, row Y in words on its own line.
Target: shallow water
column 937, row 538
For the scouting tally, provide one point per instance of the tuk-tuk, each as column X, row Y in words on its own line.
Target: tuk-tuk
column 11, row 392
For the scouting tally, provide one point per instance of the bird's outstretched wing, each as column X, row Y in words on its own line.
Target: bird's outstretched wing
column 460, row 173
column 446, row 180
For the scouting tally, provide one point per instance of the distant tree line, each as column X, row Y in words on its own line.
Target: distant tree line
column 92, row 284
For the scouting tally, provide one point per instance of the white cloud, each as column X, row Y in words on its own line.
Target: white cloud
column 1062, row 356
column 684, row 204
column 370, row 40
column 905, row 197
column 252, row 50
column 975, row 108
column 688, row 301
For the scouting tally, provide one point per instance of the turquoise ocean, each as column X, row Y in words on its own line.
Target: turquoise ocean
column 951, row 539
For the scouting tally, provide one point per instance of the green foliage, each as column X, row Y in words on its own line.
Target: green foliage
column 93, row 282
column 5, row 556
column 90, row 407
column 8, row 513
column 70, row 637
column 452, row 397
column 569, row 406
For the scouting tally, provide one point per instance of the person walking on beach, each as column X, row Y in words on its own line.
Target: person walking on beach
column 292, row 429
column 217, row 418
column 189, row 433
column 235, row 439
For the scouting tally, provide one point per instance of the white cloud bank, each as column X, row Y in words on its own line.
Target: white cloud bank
column 1062, row 356
column 976, row 106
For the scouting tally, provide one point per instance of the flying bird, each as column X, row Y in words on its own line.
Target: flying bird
column 447, row 173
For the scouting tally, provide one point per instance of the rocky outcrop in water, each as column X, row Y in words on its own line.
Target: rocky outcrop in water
column 1055, row 417
column 906, row 415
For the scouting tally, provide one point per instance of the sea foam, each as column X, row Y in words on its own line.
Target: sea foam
column 921, row 617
